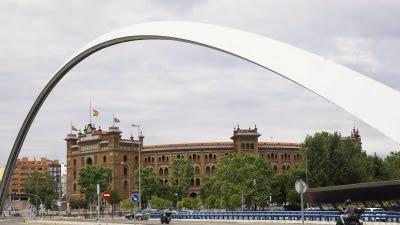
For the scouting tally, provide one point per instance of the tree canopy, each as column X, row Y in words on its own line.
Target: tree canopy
column 90, row 176
column 42, row 185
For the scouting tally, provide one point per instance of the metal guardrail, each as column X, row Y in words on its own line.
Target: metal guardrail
column 387, row 216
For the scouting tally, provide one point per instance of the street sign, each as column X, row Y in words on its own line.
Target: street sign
column 31, row 206
column 149, row 206
column 106, row 195
column 299, row 184
column 8, row 207
column 135, row 198
column 58, row 204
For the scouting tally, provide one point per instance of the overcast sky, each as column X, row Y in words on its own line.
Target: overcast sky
column 179, row 92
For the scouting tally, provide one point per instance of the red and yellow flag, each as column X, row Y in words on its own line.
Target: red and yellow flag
column 95, row 113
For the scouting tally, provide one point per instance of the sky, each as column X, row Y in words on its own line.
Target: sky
column 179, row 92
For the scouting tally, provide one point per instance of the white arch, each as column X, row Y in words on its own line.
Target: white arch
column 371, row 101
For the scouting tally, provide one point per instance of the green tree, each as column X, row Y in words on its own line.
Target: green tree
column 150, row 183
column 380, row 173
column 78, row 204
column 237, row 174
column 90, row 176
column 235, row 201
column 42, row 185
column 392, row 165
column 182, row 171
column 332, row 160
column 159, row 203
column 115, row 198
column 210, row 202
column 127, row 204
column 187, row 203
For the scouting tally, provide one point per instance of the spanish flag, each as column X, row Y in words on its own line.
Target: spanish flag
column 95, row 113
column 73, row 128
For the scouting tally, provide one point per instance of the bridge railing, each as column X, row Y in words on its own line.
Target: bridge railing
column 386, row 216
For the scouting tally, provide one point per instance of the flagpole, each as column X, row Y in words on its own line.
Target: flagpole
column 113, row 119
column 90, row 112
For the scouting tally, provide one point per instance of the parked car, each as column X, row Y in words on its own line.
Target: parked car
column 378, row 210
column 138, row 216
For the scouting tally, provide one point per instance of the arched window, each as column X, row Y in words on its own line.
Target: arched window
column 74, row 187
column 89, row 161
column 145, row 160
column 161, row 171
column 247, row 146
column 206, row 157
column 166, row 181
column 159, row 158
column 252, row 146
column 212, row 169
column 162, row 158
column 198, row 182
column 125, row 158
column 210, row 156
column 167, row 158
column 243, row 145
column 74, row 174
column 152, row 158
column 283, row 168
column 288, row 167
column 190, row 157
column 104, row 159
column 197, row 170
column 192, row 182
column 207, row 169
column 215, row 156
column 275, row 168
column 162, row 182
column 74, row 162
column 125, row 184
column 179, row 156
column 125, row 171
column 166, row 170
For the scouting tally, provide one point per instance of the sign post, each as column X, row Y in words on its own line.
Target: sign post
column 98, row 203
column 106, row 196
column 135, row 199
column 301, row 187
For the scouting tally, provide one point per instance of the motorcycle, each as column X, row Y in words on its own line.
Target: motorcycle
column 165, row 217
column 354, row 219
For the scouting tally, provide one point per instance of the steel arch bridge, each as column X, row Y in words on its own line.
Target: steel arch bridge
column 377, row 105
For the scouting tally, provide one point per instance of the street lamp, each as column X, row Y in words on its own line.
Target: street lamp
column 37, row 181
column 176, row 201
column 129, row 177
column 306, row 167
column 140, row 191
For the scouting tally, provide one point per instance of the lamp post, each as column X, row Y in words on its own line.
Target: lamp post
column 37, row 181
column 176, row 201
column 306, row 167
column 140, row 191
column 129, row 177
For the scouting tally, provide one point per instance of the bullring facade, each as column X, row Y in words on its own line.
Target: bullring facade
column 107, row 148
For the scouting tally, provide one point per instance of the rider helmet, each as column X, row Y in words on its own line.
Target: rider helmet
column 347, row 202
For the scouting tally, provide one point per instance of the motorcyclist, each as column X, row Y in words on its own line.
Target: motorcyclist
column 347, row 212
column 165, row 212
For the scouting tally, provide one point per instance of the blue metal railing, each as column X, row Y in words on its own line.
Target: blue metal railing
column 387, row 216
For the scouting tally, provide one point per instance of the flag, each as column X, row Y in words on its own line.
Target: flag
column 74, row 128
column 95, row 113
column 116, row 120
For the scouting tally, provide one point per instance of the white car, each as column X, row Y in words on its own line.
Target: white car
column 378, row 210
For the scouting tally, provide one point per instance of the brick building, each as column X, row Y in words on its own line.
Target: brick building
column 107, row 148
column 24, row 167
